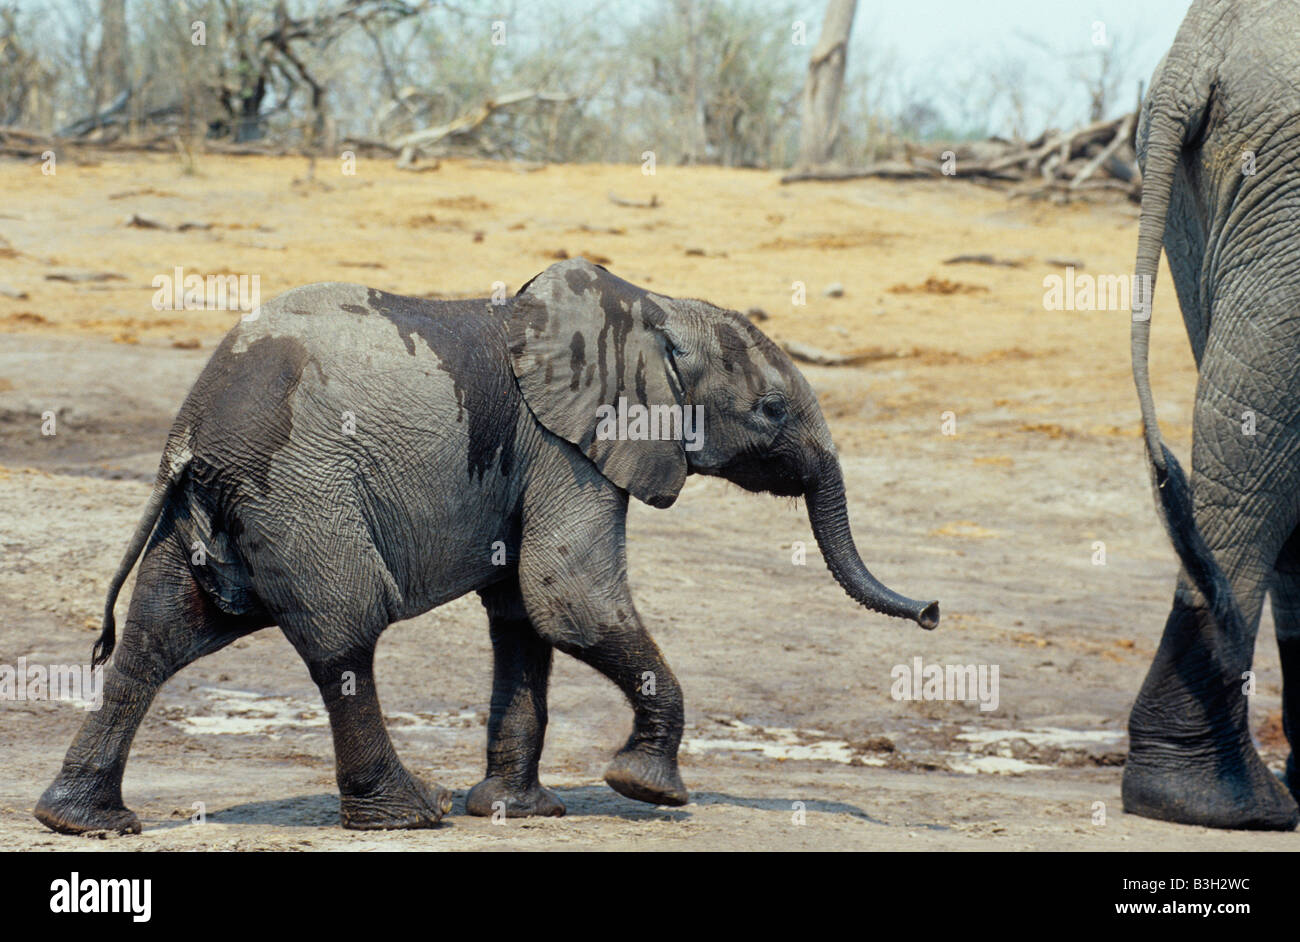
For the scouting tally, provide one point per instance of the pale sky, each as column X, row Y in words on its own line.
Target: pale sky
column 926, row 29
column 944, row 41
column 948, row 54
column 931, row 48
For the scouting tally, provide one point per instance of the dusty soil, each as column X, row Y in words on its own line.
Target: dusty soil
column 787, row 682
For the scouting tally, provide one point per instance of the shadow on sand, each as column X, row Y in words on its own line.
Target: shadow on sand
column 581, row 801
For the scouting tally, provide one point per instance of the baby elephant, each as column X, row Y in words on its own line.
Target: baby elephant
column 350, row 458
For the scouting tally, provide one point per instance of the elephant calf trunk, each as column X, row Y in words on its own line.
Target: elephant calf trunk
column 828, row 514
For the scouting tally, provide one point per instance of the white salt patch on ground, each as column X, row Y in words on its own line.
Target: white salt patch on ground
column 1056, row 736
column 1044, row 736
column 245, row 712
column 776, row 742
column 242, row 711
column 996, row 765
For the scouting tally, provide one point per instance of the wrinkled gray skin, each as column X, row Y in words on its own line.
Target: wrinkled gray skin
column 474, row 434
column 1229, row 85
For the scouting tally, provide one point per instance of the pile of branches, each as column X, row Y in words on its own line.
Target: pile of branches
column 160, row 130
column 261, row 55
column 1096, row 158
column 111, row 128
column 467, row 127
column 157, row 130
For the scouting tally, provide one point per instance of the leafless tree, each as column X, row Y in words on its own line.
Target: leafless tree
column 112, row 59
column 726, row 97
column 819, row 125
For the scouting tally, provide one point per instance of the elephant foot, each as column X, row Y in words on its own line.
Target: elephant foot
column 1233, row 791
column 534, row 801
column 648, row 778
column 1291, row 777
column 71, row 810
column 408, row 803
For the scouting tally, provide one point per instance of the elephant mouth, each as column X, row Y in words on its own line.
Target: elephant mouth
column 760, row 475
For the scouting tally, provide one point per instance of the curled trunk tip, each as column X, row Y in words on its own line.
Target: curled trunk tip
column 928, row 616
column 828, row 514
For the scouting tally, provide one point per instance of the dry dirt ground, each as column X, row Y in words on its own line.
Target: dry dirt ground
column 787, row 682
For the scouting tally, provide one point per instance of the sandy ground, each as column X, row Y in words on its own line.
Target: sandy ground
column 794, row 741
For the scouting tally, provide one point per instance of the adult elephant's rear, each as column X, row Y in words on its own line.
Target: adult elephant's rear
column 1219, row 138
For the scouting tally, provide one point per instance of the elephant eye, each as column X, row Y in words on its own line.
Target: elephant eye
column 774, row 409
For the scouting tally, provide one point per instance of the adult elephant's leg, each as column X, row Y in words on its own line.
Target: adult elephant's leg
column 1286, row 620
column 521, row 671
column 1191, row 758
column 171, row 622
column 573, row 575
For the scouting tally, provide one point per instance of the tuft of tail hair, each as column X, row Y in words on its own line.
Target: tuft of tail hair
column 175, row 461
column 106, row 641
column 1174, row 497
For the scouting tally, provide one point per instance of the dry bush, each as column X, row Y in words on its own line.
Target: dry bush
column 26, row 80
column 715, row 82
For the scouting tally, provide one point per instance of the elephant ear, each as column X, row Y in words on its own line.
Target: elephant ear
column 581, row 340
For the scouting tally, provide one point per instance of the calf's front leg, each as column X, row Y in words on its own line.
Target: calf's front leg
column 573, row 578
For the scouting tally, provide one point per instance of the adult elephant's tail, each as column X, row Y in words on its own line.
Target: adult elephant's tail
column 1173, row 493
column 176, row 457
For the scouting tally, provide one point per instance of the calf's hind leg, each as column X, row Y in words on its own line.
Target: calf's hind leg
column 171, row 622
column 521, row 671
column 376, row 792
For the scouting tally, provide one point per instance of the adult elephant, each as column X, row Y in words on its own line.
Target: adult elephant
column 350, row 458
column 1219, row 138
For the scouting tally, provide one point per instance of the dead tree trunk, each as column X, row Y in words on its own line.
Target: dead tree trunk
column 113, row 75
column 820, row 116
column 695, row 126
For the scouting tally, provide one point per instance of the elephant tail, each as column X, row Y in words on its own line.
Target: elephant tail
column 1172, row 490
column 176, row 458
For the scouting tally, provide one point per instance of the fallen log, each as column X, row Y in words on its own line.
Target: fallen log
column 1121, row 137
column 91, row 122
column 652, row 203
column 805, row 353
column 1072, row 162
column 982, row 260
column 409, row 145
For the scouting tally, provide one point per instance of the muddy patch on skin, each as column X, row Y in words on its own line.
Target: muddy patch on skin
column 469, row 340
column 226, row 432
